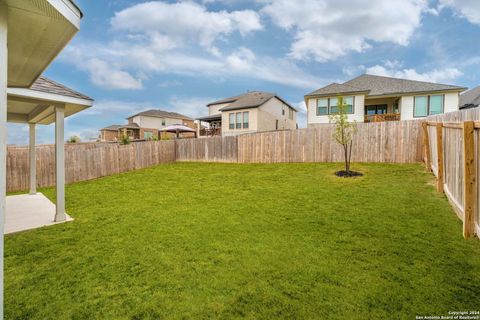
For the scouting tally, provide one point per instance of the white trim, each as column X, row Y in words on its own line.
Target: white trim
column 44, row 96
column 60, row 163
column 477, row 227
column 32, row 159
column 68, row 10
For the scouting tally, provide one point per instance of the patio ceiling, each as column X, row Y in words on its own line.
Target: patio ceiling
column 37, row 31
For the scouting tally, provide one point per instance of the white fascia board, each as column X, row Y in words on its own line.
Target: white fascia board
column 49, row 97
column 68, row 10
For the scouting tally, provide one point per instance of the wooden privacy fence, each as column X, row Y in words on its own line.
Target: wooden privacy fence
column 451, row 144
column 393, row 142
column 85, row 161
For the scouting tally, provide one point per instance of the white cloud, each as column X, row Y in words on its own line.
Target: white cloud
column 396, row 70
column 469, row 9
column 106, row 76
column 173, row 24
column 325, row 30
column 180, row 38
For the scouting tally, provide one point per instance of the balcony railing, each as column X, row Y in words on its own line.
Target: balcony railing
column 210, row 132
column 382, row 117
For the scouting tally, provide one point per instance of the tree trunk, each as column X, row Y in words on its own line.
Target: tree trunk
column 345, row 150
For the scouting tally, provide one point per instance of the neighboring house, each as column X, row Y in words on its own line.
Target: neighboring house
column 372, row 98
column 250, row 112
column 470, row 98
column 145, row 125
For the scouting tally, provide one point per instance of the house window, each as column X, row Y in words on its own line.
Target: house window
column 436, row 104
column 283, row 109
column 333, row 105
column 322, row 107
column 147, row 135
column 348, row 102
column 327, row 106
column 245, row 120
column 290, row 113
column 239, row 120
column 420, row 106
column 427, row 105
column 163, row 122
column 231, row 121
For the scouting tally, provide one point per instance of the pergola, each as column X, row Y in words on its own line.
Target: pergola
column 32, row 34
column 177, row 129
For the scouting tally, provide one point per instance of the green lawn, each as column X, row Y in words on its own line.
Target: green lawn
column 202, row 241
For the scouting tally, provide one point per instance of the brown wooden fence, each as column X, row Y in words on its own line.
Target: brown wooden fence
column 85, row 161
column 394, row 142
column 452, row 154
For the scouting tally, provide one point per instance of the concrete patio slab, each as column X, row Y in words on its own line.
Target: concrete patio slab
column 29, row 211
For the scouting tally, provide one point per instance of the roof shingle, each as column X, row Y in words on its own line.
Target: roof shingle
column 46, row 85
column 471, row 98
column 248, row 100
column 380, row 85
column 161, row 114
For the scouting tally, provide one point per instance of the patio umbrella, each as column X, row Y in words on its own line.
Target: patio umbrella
column 177, row 129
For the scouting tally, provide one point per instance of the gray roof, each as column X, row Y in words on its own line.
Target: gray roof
column 46, row 85
column 470, row 98
column 161, row 114
column 379, row 86
column 248, row 100
column 213, row 117
column 335, row 88
column 115, row 127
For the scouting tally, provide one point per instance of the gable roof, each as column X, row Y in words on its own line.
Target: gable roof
column 470, row 98
column 157, row 113
column 335, row 88
column 253, row 99
column 46, row 85
column 380, row 86
column 115, row 127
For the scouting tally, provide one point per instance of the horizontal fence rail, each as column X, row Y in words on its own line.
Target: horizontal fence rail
column 389, row 142
column 451, row 147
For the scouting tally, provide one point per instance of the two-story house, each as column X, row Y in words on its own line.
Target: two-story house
column 254, row 111
column 372, row 98
column 145, row 125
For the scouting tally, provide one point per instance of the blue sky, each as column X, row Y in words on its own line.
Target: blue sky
column 178, row 55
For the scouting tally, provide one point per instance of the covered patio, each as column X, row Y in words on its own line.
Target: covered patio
column 44, row 103
column 32, row 34
column 214, row 125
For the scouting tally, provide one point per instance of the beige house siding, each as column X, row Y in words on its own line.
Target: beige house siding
column 270, row 112
column 263, row 118
column 314, row 120
column 156, row 123
column 252, row 126
column 215, row 109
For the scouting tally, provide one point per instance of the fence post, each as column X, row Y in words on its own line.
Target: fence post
column 440, row 179
column 468, row 178
column 426, row 147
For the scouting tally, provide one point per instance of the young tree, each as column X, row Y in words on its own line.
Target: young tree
column 344, row 131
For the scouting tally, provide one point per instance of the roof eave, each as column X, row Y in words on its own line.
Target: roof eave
column 460, row 89
column 336, row 94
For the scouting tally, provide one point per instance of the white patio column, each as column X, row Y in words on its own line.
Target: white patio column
column 60, row 162
column 3, row 134
column 32, row 158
